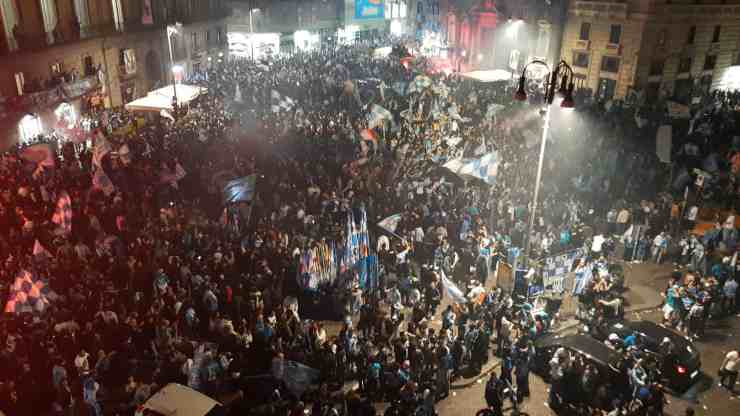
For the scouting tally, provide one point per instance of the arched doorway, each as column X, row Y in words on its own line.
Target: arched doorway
column 153, row 68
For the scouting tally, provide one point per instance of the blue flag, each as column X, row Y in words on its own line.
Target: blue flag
column 241, row 189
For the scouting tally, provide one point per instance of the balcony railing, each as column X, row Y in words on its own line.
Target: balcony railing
column 65, row 91
column 71, row 33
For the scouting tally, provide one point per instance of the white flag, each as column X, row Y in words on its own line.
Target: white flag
column 456, row 295
column 102, row 148
column 391, row 223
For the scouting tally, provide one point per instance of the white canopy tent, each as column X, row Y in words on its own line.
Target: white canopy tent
column 494, row 75
column 161, row 99
column 176, row 399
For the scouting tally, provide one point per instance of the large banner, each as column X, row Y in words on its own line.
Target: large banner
column 664, row 143
column 369, row 9
column 556, row 268
column 146, row 12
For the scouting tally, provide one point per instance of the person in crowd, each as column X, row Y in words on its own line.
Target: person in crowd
column 166, row 248
column 494, row 394
column 728, row 370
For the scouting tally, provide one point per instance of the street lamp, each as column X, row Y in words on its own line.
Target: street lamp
column 566, row 91
column 171, row 31
column 251, row 30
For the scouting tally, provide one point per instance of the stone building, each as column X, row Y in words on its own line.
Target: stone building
column 57, row 56
column 661, row 48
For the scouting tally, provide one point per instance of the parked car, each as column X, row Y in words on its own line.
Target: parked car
column 607, row 363
column 680, row 370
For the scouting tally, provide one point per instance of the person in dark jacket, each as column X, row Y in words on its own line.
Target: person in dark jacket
column 495, row 394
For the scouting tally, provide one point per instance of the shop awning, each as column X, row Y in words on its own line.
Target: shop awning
column 494, row 75
column 175, row 399
column 161, row 99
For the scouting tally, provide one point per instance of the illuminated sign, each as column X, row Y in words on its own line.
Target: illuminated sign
column 369, row 9
column 254, row 45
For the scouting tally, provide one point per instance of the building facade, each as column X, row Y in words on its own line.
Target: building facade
column 313, row 24
column 659, row 48
column 59, row 56
column 504, row 34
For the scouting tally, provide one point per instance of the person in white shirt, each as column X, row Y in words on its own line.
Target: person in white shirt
column 622, row 219
column 82, row 363
column 418, row 234
column 659, row 243
column 384, row 243
column 597, row 243
column 728, row 370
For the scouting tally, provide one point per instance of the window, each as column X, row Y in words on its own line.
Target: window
column 580, row 59
column 706, row 83
column 129, row 61
column 715, row 35
column 615, row 34
column 682, row 90
column 30, row 127
column 194, row 40
column 610, row 64
column 684, row 65
column 710, row 61
column 118, row 17
column 692, row 35
column 56, row 69
column 656, row 67
column 87, row 65
column 607, row 88
column 585, row 31
column 20, row 82
column 208, row 37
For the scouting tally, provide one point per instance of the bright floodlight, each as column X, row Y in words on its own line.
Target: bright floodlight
column 396, row 27
column 513, row 28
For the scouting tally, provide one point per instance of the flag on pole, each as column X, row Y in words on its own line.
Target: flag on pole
column 370, row 136
column 240, row 190
column 101, row 181
column 102, row 148
column 484, row 168
column 390, row 224
column 63, row 213
column 28, row 294
column 377, row 115
column 456, row 295
column 40, row 251
column 41, row 154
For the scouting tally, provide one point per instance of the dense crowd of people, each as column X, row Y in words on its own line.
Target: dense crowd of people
column 151, row 281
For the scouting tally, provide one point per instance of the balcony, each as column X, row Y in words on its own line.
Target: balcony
column 49, row 96
column 30, row 41
column 603, row 9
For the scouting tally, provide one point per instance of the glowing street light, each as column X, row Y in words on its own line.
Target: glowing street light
column 566, row 91
column 171, row 31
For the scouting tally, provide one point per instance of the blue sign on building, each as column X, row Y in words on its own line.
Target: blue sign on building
column 369, row 9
